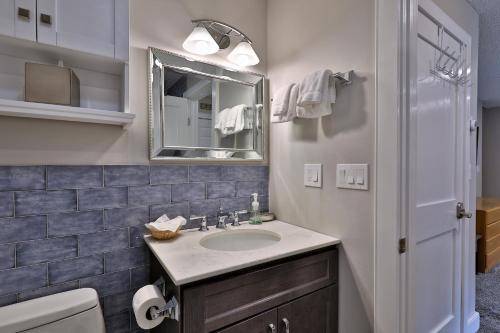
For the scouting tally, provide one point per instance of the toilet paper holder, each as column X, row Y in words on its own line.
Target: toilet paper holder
column 171, row 310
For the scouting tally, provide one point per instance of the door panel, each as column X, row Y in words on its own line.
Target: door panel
column 87, row 26
column 437, row 158
column 46, row 31
column 7, row 16
column 25, row 26
column 314, row 313
column 262, row 323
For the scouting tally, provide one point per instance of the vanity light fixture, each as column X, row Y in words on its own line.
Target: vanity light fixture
column 210, row 36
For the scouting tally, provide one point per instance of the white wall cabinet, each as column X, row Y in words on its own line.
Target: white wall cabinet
column 18, row 19
column 99, row 27
column 89, row 36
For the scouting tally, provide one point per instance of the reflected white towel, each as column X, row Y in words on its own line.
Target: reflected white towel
column 316, row 94
column 281, row 99
column 231, row 121
column 291, row 112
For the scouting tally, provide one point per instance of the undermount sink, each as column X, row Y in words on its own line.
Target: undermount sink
column 240, row 240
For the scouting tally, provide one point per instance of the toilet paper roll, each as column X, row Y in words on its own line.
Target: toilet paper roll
column 144, row 299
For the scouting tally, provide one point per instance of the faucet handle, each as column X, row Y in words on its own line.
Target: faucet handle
column 203, row 218
column 236, row 219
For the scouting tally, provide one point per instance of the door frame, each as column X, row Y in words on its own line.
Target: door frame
column 396, row 37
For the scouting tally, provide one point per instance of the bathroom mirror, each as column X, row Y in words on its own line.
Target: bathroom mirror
column 199, row 110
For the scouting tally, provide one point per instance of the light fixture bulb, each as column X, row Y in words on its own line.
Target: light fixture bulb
column 243, row 55
column 200, row 42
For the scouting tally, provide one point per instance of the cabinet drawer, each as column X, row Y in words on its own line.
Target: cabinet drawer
column 219, row 303
column 258, row 324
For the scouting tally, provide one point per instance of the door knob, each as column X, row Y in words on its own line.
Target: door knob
column 461, row 212
column 272, row 328
column 286, row 322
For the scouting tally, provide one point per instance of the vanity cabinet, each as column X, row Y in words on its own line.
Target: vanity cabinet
column 97, row 27
column 296, row 294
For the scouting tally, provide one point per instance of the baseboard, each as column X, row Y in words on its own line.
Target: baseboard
column 472, row 323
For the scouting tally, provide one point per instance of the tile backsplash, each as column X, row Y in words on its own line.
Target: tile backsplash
column 65, row 227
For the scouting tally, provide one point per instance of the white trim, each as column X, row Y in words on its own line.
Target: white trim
column 472, row 324
column 61, row 112
column 388, row 263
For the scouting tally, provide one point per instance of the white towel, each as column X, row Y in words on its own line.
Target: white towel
column 291, row 112
column 312, row 87
column 281, row 98
column 316, row 94
column 231, row 121
column 163, row 223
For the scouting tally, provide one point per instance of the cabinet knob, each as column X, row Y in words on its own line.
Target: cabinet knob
column 286, row 322
column 23, row 12
column 272, row 328
column 45, row 18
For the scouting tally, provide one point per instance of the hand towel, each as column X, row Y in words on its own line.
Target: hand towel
column 312, row 87
column 163, row 223
column 327, row 96
column 279, row 105
column 291, row 112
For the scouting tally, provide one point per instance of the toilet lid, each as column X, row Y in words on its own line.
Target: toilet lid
column 40, row 311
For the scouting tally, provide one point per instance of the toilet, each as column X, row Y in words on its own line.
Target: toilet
column 75, row 311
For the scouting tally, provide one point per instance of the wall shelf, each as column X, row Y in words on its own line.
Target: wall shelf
column 65, row 113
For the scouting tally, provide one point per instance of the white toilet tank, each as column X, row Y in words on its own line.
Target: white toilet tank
column 75, row 311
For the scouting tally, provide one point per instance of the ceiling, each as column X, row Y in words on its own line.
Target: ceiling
column 489, row 51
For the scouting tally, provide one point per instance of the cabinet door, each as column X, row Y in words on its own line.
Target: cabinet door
column 46, row 21
column 263, row 323
column 7, row 16
column 94, row 26
column 24, row 19
column 314, row 313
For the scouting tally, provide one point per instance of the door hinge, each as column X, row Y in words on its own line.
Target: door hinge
column 402, row 245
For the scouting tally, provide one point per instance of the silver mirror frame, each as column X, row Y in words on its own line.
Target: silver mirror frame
column 264, row 118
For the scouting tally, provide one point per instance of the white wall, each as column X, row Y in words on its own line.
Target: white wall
column 339, row 35
column 160, row 23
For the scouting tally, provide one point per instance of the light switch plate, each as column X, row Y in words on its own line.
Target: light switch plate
column 313, row 175
column 352, row 176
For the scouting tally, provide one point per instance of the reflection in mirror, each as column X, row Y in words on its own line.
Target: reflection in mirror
column 200, row 110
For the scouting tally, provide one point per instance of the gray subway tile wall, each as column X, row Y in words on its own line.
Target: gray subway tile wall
column 68, row 227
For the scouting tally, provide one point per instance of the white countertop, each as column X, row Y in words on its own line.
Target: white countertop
column 185, row 260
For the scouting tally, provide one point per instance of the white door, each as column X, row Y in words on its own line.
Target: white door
column 94, row 26
column 437, row 160
column 178, row 129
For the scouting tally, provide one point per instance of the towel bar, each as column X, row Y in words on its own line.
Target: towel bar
column 344, row 78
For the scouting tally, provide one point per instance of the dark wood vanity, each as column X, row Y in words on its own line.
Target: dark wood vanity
column 297, row 294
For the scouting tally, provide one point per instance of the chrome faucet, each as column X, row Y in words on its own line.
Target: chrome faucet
column 203, row 226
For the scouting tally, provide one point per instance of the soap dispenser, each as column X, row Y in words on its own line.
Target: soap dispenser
column 255, row 213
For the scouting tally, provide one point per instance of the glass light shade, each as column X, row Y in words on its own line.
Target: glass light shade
column 243, row 55
column 200, row 42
